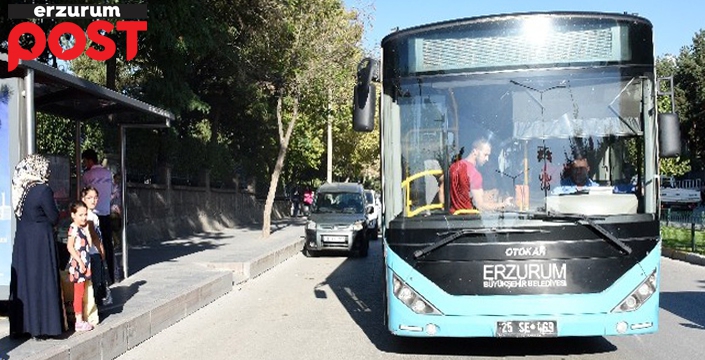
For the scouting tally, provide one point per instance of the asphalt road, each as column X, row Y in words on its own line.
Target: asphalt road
column 330, row 307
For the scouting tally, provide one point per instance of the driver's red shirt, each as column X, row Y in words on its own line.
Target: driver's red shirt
column 464, row 177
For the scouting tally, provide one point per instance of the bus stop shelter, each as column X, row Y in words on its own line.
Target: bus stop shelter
column 35, row 87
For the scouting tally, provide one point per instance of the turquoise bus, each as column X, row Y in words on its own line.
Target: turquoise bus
column 544, row 90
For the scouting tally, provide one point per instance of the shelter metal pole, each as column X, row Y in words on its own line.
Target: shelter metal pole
column 29, row 108
column 123, row 194
column 77, row 150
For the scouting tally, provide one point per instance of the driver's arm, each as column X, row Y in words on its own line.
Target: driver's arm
column 478, row 199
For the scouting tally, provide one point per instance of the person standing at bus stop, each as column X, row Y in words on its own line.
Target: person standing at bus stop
column 102, row 180
column 35, row 287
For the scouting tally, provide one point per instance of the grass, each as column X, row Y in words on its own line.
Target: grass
column 681, row 239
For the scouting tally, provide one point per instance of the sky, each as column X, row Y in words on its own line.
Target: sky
column 675, row 22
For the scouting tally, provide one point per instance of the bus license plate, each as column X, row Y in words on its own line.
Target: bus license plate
column 533, row 328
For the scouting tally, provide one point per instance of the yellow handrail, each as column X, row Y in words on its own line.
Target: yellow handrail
column 407, row 201
column 466, row 211
column 411, row 178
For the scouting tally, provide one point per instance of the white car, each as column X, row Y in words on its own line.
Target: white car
column 373, row 218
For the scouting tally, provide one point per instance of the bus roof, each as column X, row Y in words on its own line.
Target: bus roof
column 484, row 18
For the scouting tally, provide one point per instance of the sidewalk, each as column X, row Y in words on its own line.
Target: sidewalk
column 689, row 257
column 167, row 282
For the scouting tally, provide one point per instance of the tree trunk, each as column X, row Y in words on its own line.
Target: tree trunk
column 283, row 146
column 215, row 130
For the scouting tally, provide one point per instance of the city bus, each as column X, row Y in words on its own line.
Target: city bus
column 542, row 89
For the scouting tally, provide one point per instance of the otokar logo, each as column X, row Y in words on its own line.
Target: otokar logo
column 526, row 251
column 97, row 31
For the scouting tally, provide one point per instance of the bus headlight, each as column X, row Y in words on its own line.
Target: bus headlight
column 411, row 298
column 639, row 296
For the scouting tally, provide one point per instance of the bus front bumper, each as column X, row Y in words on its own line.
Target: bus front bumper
column 403, row 322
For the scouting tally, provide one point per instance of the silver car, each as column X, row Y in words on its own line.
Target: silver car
column 338, row 220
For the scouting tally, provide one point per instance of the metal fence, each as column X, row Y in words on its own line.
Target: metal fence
column 693, row 220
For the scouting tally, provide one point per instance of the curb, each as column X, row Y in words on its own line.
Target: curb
column 127, row 329
column 692, row 258
column 258, row 266
column 244, row 271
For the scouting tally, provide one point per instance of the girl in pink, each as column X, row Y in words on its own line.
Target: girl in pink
column 79, row 244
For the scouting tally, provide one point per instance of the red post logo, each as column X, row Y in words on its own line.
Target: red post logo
column 15, row 52
column 96, row 31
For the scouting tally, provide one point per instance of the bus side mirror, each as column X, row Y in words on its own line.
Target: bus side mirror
column 364, row 108
column 669, row 135
column 365, row 96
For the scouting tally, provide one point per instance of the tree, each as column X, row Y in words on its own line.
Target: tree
column 313, row 43
column 690, row 82
column 252, row 83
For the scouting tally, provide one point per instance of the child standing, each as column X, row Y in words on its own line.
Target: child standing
column 89, row 195
column 79, row 241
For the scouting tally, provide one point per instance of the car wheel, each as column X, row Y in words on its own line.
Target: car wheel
column 309, row 253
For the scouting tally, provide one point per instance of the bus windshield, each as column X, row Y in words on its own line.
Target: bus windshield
column 539, row 126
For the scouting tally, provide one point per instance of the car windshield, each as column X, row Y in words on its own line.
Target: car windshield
column 370, row 197
column 339, row 202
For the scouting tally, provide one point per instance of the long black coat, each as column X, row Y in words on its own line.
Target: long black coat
column 35, row 288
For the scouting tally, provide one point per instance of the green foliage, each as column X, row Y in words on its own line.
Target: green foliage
column 688, row 72
column 681, row 239
column 55, row 135
column 674, row 166
column 220, row 67
column 690, row 103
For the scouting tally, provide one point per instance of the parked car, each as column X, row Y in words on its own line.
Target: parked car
column 373, row 217
column 338, row 220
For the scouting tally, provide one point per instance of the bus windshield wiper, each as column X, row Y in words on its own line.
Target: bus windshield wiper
column 450, row 236
column 585, row 220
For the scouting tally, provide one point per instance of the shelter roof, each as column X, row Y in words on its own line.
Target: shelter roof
column 66, row 95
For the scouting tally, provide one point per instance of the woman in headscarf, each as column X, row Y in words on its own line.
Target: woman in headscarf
column 35, row 288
